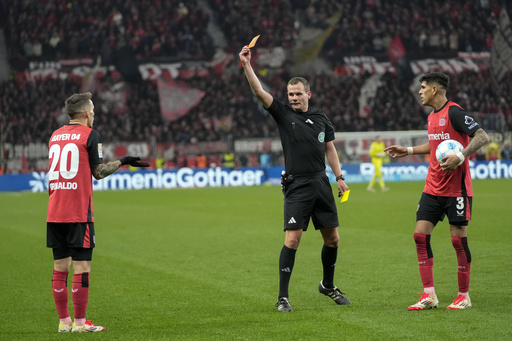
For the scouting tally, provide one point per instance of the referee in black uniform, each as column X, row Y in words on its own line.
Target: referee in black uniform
column 307, row 137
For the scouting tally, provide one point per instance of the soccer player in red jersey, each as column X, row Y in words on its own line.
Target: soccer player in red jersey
column 448, row 190
column 75, row 155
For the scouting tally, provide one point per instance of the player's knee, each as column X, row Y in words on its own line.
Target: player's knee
column 332, row 241
column 332, row 244
column 292, row 243
column 81, row 266
column 420, row 238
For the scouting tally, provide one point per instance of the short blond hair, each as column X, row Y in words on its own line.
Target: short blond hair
column 297, row 80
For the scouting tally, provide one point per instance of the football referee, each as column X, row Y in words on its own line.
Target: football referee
column 307, row 137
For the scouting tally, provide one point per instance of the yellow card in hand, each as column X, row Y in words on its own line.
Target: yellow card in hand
column 253, row 41
column 345, row 196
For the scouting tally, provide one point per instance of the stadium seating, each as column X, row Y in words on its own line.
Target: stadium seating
column 31, row 110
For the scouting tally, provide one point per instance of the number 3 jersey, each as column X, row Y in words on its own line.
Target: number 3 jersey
column 450, row 122
column 72, row 151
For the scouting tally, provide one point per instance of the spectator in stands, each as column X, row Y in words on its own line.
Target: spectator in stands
column 506, row 151
column 56, row 24
column 201, row 161
column 228, row 160
column 52, row 23
column 493, row 151
column 160, row 162
column 469, row 25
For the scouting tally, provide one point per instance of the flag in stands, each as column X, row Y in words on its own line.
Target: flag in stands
column 176, row 99
column 501, row 61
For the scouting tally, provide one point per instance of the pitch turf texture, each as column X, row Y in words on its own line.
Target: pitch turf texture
column 202, row 264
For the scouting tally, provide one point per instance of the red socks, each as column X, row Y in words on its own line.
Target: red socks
column 460, row 244
column 80, row 294
column 60, row 293
column 425, row 259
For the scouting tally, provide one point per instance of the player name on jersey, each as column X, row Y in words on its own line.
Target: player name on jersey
column 62, row 185
column 65, row 137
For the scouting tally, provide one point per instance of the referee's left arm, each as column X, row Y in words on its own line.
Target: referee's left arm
column 334, row 162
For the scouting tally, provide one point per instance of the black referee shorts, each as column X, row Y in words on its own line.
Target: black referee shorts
column 310, row 197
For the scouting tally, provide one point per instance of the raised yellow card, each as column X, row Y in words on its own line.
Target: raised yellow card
column 253, row 41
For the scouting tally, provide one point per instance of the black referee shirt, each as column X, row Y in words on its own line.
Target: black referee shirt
column 303, row 137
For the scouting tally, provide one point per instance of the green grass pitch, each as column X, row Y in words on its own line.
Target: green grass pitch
column 202, row 264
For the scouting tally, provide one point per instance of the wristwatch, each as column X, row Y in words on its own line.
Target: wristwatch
column 340, row 177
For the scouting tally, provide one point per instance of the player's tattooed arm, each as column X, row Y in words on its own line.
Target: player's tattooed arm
column 103, row 170
column 478, row 140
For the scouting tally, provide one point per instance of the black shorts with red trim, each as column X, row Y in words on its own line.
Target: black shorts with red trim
column 70, row 235
column 434, row 208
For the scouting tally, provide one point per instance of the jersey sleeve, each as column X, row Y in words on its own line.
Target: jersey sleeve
column 462, row 122
column 275, row 109
column 95, row 148
column 329, row 130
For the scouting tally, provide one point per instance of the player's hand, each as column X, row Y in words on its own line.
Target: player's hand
column 133, row 161
column 450, row 163
column 381, row 154
column 245, row 55
column 396, row 151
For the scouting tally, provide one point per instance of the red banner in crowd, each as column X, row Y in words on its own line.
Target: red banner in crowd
column 176, row 99
column 450, row 65
column 395, row 50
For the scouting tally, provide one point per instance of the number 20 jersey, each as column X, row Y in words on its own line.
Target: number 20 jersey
column 72, row 151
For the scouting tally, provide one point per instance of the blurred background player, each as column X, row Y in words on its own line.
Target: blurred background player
column 265, row 165
column 377, row 154
column 448, row 189
column 75, row 155
column 307, row 138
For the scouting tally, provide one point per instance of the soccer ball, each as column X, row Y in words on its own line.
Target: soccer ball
column 448, row 147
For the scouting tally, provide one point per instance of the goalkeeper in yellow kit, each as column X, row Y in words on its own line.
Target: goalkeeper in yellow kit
column 377, row 153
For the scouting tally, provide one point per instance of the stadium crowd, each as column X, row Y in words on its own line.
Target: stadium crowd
column 365, row 26
column 174, row 28
column 29, row 111
column 60, row 29
column 53, row 29
column 427, row 28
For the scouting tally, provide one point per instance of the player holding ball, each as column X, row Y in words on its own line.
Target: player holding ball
column 448, row 189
